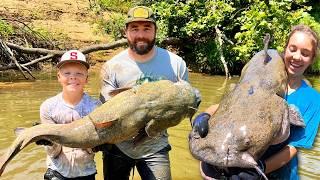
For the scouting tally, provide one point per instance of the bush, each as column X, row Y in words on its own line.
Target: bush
column 243, row 24
column 113, row 26
column 5, row 29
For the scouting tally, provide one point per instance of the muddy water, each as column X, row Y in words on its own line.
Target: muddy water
column 19, row 106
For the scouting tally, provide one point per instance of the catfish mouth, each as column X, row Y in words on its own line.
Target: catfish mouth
column 201, row 149
column 209, row 155
column 219, row 154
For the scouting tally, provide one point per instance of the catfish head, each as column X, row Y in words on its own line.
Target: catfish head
column 232, row 140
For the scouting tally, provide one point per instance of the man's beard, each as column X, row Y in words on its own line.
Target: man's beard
column 141, row 49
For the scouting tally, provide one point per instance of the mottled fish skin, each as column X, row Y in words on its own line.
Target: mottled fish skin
column 252, row 116
column 153, row 106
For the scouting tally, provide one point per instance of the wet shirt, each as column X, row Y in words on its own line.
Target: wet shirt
column 122, row 71
column 307, row 100
column 69, row 162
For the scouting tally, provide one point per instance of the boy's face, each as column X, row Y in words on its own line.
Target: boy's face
column 73, row 77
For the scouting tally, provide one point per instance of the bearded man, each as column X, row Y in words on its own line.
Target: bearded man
column 142, row 62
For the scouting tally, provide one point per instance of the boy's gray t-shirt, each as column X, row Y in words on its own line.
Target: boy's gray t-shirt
column 70, row 162
column 122, row 71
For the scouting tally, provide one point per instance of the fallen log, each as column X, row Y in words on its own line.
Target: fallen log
column 47, row 54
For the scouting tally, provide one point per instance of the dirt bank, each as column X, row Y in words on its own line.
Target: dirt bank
column 71, row 21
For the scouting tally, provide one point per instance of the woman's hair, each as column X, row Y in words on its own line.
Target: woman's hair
column 309, row 31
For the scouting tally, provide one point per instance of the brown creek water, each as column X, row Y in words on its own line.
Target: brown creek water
column 19, row 107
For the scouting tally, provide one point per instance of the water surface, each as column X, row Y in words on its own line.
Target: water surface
column 20, row 102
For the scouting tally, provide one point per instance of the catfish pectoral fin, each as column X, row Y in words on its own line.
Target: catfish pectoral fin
column 142, row 136
column 103, row 124
column 295, row 116
column 117, row 91
column 154, row 128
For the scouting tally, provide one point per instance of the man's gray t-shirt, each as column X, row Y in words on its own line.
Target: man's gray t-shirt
column 122, row 71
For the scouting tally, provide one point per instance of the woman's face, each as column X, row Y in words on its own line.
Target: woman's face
column 299, row 54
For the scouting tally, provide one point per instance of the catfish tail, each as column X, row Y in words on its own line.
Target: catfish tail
column 25, row 137
column 80, row 134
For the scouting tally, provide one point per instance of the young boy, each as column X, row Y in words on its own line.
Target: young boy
column 69, row 105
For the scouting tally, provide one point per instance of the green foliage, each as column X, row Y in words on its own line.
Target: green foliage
column 120, row 6
column 259, row 19
column 243, row 24
column 115, row 5
column 113, row 26
column 5, row 29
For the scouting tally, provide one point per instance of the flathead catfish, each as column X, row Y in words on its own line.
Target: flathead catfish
column 153, row 106
column 252, row 116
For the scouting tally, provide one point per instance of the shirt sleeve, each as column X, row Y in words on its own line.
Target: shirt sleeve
column 184, row 71
column 108, row 83
column 304, row 137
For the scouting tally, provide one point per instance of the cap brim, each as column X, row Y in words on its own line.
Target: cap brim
column 139, row 20
column 87, row 65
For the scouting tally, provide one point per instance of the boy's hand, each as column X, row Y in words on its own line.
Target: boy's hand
column 42, row 141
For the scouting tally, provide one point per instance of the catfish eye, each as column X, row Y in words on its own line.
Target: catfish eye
column 245, row 145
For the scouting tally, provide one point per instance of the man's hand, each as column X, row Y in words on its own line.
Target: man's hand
column 200, row 124
column 102, row 147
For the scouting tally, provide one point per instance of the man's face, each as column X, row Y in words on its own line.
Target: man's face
column 141, row 36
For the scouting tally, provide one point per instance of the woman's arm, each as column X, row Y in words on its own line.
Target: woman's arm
column 280, row 159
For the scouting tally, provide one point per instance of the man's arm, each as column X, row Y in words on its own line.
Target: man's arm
column 212, row 109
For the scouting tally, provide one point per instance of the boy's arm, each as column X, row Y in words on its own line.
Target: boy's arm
column 54, row 149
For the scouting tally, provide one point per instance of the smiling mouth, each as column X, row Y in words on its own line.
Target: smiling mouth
column 294, row 65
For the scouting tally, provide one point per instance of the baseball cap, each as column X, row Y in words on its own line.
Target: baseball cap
column 73, row 56
column 140, row 13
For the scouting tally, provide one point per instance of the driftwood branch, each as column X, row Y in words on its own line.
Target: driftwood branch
column 40, row 51
column 222, row 59
column 47, row 54
column 99, row 47
column 85, row 50
column 10, row 55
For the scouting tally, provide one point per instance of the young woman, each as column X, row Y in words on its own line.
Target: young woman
column 280, row 161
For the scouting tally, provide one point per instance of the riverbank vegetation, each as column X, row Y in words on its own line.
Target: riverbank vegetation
column 198, row 28
column 213, row 36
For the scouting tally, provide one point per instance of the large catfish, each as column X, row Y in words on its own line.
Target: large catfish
column 153, row 106
column 250, row 118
